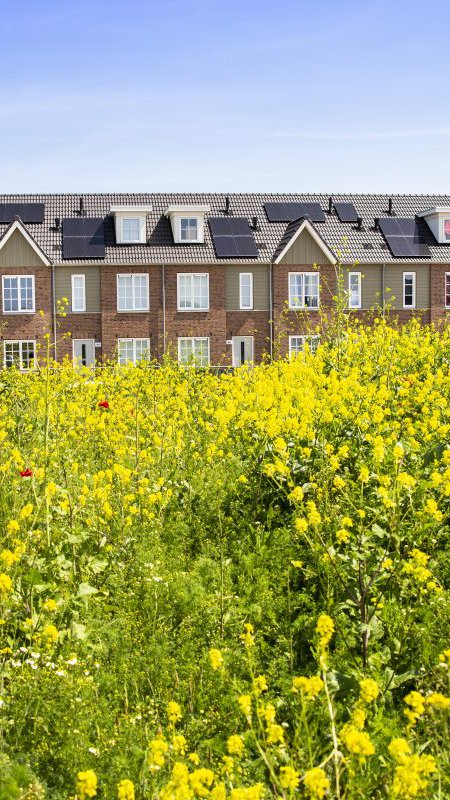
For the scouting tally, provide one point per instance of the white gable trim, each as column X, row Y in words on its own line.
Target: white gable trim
column 17, row 225
column 306, row 225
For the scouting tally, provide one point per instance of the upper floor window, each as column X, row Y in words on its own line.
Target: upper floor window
column 130, row 223
column 193, row 350
column 447, row 289
column 303, row 290
column 187, row 223
column 132, row 292
column 409, row 290
column 354, row 290
column 193, row 291
column 297, row 344
column 130, row 351
column 78, row 293
column 20, row 353
column 246, row 290
column 18, row 294
column 189, row 229
column 132, row 229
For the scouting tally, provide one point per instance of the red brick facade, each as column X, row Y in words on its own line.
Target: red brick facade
column 163, row 323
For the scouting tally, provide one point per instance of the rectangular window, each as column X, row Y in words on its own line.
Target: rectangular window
column 447, row 289
column 131, row 229
column 447, row 230
column 130, row 351
column 132, row 293
column 18, row 294
column 409, row 289
column 245, row 290
column 193, row 292
column 20, row 354
column 354, row 290
column 297, row 344
column 303, row 290
column 78, row 293
column 188, row 229
column 193, row 350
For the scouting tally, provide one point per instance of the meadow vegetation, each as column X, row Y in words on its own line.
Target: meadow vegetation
column 229, row 586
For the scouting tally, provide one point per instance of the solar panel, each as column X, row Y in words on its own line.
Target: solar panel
column 232, row 237
column 28, row 212
column 287, row 212
column 83, row 237
column 346, row 212
column 404, row 237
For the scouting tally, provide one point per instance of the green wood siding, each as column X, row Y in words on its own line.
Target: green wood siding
column 393, row 280
column 18, row 253
column 260, row 287
column 63, row 285
column 304, row 252
column 371, row 283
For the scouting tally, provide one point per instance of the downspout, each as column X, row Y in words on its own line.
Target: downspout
column 382, row 289
column 164, row 307
column 271, row 310
column 54, row 309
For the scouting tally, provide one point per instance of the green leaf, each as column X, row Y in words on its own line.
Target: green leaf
column 85, row 589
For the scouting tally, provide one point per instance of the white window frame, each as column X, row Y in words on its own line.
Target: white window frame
column 446, row 278
column 304, row 339
column 359, row 298
column 194, row 339
column 119, row 218
column 21, row 343
column 192, row 276
column 199, row 237
column 133, row 276
column 241, row 303
column 413, row 276
column 19, row 278
column 83, row 279
column 134, row 340
column 302, row 304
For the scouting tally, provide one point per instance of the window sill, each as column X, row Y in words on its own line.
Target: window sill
column 192, row 310
column 20, row 312
column 133, row 311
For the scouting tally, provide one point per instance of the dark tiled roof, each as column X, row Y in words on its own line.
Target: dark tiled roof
column 365, row 246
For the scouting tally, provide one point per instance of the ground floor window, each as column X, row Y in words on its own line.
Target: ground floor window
column 130, row 351
column 297, row 344
column 20, row 354
column 193, row 350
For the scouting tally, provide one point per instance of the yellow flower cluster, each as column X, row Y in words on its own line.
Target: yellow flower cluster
column 156, row 755
column 308, row 687
column 86, row 784
column 412, row 771
column 316, row 782
column 125, row 790
column 368, row 690
column 215, row 659
column 325, row 629
column 356, row 741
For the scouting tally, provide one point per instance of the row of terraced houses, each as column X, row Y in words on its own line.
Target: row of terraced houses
column 222, row 280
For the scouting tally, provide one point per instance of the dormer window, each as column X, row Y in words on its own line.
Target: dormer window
column 189, row 229
column 130, row 223
column 188, row 223
column 438, row 220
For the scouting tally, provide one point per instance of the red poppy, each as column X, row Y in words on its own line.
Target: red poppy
column 103, row 404
column 26, row 473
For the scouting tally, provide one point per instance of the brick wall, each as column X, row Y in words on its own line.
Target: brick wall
column 29, row 326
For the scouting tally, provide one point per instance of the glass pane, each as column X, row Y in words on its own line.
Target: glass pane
column 311, row 291
column 131, row 230
column 185, row 350
column 140, row 292
column 188, row 230
column 27, row 354
column 447, row 289
column 296, row 290
column 200, row 291
column 185, row 291
column 124, row 293
column 246, row 290
column 141, row 349
column 447, row 229
column 201, row 352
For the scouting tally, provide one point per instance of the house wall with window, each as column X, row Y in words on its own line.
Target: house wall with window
column 393, row 280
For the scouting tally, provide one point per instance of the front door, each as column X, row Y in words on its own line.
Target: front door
column 83, row 352
column 242, row 350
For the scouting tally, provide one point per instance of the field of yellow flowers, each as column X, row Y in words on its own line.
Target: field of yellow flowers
column 230, row 587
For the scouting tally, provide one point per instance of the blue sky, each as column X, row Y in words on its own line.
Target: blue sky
column 236, row 95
